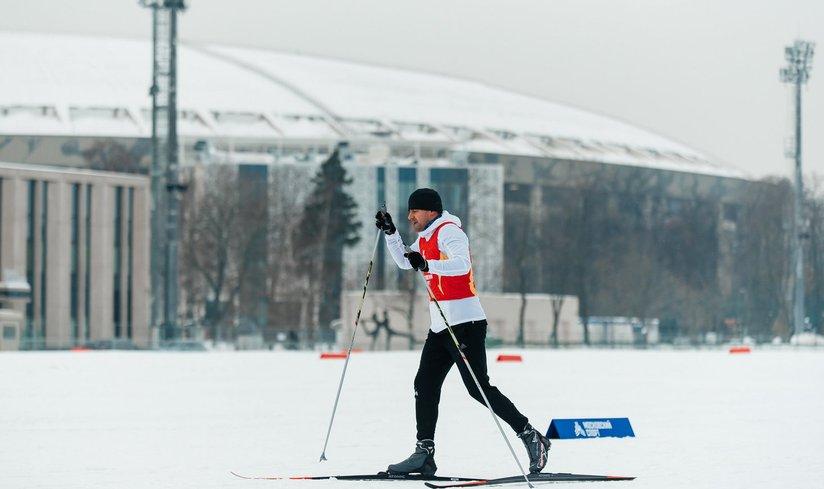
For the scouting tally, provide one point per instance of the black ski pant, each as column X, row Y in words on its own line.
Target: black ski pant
column 438, row 355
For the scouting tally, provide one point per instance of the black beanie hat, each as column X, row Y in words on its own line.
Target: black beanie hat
column 425, row 199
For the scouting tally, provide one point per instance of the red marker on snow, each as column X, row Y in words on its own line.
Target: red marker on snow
column 330, row 355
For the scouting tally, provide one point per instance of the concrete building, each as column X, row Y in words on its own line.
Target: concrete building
column 494, row 154
column 80, row 239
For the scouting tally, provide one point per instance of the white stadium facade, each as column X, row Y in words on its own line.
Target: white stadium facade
column 83, row 102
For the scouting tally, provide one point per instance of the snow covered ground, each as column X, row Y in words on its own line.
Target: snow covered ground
column 703, row 419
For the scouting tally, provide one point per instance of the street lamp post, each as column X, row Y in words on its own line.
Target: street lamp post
column 799, row 58
column 165, row 167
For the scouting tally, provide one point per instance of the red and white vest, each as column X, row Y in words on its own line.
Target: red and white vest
column 445, row 288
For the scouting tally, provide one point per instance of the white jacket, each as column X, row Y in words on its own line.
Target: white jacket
column 453, row 243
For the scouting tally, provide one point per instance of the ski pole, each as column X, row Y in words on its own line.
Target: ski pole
column 477, row 384
column 351, row 344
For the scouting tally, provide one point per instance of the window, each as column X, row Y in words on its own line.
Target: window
column 253, row 182
column 674, row 206
column 381, row 185
column 9, row 332
column 381, row 258
column 130, row 263
column 452, row 184
column 731, row 212
column 118, row 250
column 75, row 259
column 88, row 288
column 29, row 328
column 44, row 219
column 253, row 187
column 407, row 183
column 517, row 193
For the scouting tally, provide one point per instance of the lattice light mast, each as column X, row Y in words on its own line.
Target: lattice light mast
column 165, row 168
column 799, row 58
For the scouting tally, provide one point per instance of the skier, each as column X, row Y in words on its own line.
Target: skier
column 442, row 253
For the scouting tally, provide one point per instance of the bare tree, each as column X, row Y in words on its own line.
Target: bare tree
column 407, row 286
column 624, row 246
column 762, row 257
column 815, row 251
column 287, row 287
column 560, row 214
column 522, row 247
column 557, row 302
column 687, row 247
column 219, row 234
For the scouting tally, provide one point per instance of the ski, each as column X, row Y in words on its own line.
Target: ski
column 548, row 477
column 380, row 476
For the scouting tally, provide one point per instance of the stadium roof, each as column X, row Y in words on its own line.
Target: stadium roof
column 98, row 86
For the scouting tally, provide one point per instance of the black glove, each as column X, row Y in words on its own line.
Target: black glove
column 417, row 261
column 383, row 221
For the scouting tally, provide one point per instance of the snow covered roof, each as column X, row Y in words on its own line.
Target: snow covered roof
column 31, row 170
column 98, row 86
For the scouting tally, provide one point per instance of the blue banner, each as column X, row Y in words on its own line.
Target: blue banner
column 589, row 428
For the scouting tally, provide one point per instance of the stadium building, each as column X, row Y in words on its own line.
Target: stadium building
column 83, row 102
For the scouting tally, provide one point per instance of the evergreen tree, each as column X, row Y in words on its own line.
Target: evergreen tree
column 327, row 226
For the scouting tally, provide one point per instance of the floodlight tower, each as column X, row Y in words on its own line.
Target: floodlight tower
column 165, row 168
column 799, row 58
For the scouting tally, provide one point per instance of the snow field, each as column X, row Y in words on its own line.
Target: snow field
column 703, row 419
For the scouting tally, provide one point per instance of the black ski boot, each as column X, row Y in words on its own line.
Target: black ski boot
column 420, row 462
column 537, row 446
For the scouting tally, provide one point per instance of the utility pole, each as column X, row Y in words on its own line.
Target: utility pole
column 799, row 58
column 165, row 173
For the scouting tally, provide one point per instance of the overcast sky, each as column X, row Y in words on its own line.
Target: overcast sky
column 698, row 71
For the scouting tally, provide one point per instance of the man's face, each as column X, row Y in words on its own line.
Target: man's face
column 419, row 218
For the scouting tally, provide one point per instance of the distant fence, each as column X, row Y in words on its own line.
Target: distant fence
column 339, row 339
